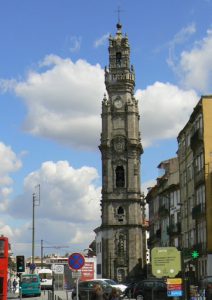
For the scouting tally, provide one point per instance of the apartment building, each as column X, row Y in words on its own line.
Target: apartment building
column 164, row 207
column 180, row 204
column 195, row 165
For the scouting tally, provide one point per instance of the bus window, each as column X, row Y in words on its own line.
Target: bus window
column 1, row 248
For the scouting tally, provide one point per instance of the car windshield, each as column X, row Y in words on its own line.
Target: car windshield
column 110, row 281
column 29, row 279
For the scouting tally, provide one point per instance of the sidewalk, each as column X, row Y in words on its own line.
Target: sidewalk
column 11, row 295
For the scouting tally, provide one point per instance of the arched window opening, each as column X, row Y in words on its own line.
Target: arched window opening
column 120, row 180
column 120, row 213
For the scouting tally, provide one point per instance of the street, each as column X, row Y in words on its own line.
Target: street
column 65, row 295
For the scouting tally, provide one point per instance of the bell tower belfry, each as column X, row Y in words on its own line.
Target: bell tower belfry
column 120, row 239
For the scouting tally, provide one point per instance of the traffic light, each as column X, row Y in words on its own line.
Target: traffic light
column 20, row 263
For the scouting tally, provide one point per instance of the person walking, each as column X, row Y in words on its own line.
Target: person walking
column 14, row 285
column 98, row 293
column 114, row 295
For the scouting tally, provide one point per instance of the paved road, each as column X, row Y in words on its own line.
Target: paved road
column 64, row 295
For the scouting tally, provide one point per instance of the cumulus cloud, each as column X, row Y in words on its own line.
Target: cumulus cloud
column 9, row 163
column 64, row 101
column 164, row 109
column 69, row 207
column 195, row 66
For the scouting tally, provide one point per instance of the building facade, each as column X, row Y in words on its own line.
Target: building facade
column 164, row 207
column 120, row 240
column 195, row 166
column 187, row 213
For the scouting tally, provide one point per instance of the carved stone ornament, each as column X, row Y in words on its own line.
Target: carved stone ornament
column 119, row 144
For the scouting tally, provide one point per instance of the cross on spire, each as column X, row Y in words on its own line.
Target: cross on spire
column 119, row 10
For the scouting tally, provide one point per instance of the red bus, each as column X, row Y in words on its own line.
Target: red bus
column 3, row 267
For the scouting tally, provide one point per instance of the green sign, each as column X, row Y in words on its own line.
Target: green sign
column 195, row 254
column 166, row 261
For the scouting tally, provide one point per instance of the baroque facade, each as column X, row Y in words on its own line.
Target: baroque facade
column 120, row 240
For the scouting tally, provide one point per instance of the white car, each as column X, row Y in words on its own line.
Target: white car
column 113, row 283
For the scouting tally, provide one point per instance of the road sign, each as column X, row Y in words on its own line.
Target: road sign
column 76, row 274
column 32, row 267
column 165, row 261
column 76, row 261
column 174, row 280
column 174, row 293
column 172, row 287
column 58, row 269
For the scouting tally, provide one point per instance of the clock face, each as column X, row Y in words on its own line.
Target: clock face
column 118, row 103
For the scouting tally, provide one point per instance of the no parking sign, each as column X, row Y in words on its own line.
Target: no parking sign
column 76, row 261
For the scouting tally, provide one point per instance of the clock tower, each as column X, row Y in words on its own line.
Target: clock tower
column 120, row 240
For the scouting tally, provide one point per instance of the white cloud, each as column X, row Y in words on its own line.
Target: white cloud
column 64, row 104
column 180, row 37
column 195, row 66
column 164, row 110
column 101, row 41
column 9, row 163
column 69, row 207
column 64, row 101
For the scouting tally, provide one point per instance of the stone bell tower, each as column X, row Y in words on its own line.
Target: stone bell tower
column 121, row 236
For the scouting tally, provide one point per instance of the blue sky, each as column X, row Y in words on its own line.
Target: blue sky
column 52, row 59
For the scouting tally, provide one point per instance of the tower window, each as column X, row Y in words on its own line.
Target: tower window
column 120, row 210
column 118, row 58
column 120, row 176
column 120, row 214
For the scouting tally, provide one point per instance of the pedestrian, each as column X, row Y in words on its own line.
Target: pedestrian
column 14, row 285
column 9, row 285
column 98, row 293
column 208, row 292
column 114, row 295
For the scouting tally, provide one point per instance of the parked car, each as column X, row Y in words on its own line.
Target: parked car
column 129, row 290
column 85, row 289
column 150, row 289
column 113, row 283
column 30, row 285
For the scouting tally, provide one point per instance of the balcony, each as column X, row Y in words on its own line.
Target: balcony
column 196, row 138
column 198, row 211
column 163, row 211
column 174, row 229
column 199, row 177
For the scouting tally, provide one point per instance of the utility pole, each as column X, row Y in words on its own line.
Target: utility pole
column 53, row 247
column 35, row 202
column 41, row 254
